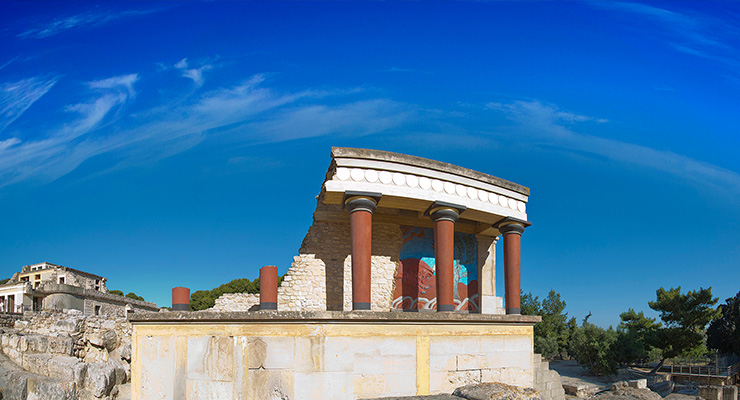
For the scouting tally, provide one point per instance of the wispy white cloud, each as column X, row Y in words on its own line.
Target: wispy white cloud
column 545, row 124
column 687, row 32
column 17, row 97
column 196, row 74
column 84, row 20
column 246, row 113
column 54, row 154
column 126, row 81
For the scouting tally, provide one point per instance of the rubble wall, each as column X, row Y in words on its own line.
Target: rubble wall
column 320, row 278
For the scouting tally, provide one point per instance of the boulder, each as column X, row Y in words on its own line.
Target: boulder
column 110, row 339
column 663, row 388
column 578, row 390
column 678, row 396
column 496, row 391
column 100, row 379
column 96, row 339
column 627, row 393
column 637, row 383
column 126, row 351
column 119, row 369
column 94, row 354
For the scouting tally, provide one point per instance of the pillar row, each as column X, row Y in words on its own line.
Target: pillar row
column 361, row 206
column 512, row 230
column 444, row 216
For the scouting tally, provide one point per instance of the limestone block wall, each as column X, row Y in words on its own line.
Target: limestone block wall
column 237, row 302
column 319, row 360
column 320, row 278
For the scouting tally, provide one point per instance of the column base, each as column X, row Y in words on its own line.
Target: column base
column 181, row 307
column 517, row 311
column 360, row 306
column 268, row 305
column 445, row 307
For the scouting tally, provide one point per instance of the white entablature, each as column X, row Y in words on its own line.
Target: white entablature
column 414, row 183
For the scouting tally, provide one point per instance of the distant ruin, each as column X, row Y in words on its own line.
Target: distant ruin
column 47, row 286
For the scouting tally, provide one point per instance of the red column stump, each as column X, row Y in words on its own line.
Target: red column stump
column 268, row 287
column 180, row 299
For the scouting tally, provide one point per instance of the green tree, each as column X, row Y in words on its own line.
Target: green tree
column 132, row 295
column 552, row 333
column 685, row 316
column 116, row 292
column 593, row 348
column 204, row 299
column 4, row 281
column 723, row 333
column 635, row 336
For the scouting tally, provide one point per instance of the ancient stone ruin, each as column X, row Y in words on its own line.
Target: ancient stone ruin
column 392, row 294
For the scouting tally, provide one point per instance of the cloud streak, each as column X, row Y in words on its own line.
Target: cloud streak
column 16, row 97
column 80, row 21
column 693, row 34
column 546, row 124
column 247, row 113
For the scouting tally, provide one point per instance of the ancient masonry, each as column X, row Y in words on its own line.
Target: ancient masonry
column 393, row 293
column 47, row 286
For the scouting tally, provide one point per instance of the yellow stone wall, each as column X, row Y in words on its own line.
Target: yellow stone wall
column 324, row 360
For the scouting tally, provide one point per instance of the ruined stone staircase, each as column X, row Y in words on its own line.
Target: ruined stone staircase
column 547, row 381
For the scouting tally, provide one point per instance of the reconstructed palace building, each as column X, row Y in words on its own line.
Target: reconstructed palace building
column 393, row 293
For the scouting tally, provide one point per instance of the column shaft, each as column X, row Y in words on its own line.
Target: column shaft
column 512, row 271
column 361, row 222
column 268, row 287
column 444, row 254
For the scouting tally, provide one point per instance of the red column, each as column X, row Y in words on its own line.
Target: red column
column 268, row 287
column 361, row 208
column 180, row 299
column 444, row 218
column 512, row 266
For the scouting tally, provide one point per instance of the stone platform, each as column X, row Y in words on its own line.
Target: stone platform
column 325, row 354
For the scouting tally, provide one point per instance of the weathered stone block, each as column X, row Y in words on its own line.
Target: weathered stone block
column 711, row 392
column 257, row 349
column 337, row 385
column 36, row 363
column 280, row 351
column 205, row 390
column 308, row 385
column 729, row 392
column 470, row 361
column 308, row 354
column 100, row 379
column 61, row 344
column 219, row 358
column 63, row 367
column 637, row 383
column 339, row 354
column 486, row 391
column 369, row 384
column 270, row 384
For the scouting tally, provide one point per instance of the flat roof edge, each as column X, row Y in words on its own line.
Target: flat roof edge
column 369, row 154
column 329, row 317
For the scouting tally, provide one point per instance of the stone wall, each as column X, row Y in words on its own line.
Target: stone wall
column 63, row 296
column 237, row 302
column 92, row 354
column 320, row 278
column 325, row 355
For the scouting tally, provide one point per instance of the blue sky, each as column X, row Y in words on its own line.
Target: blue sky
column 168, row 144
